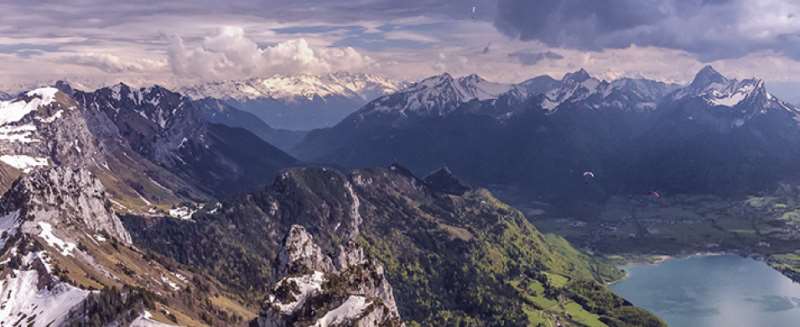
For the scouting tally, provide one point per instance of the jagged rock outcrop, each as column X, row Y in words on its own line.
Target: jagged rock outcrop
column 315, row 292
column 300, row 254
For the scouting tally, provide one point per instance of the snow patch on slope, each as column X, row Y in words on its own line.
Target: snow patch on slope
column 21, row 134
column 349, row 310
column 145, row 320
column 20, row 295
column 14, row 110
column 307, row 285
column 47, row 235
column 23, row 162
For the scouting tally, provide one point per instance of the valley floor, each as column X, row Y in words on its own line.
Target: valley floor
column 645, row 227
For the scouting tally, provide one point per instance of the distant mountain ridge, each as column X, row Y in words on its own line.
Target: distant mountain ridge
column 542, row 134
column 296, row 87
column 298, row 102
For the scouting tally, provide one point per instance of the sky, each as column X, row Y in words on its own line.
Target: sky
column 191, row 41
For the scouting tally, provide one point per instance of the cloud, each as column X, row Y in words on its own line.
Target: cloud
column 111, row 64
column 409, row 36
column 708, row 29
column 529, row 58
column 231, row 54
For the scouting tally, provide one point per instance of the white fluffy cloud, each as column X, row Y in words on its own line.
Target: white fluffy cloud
column 231, row 54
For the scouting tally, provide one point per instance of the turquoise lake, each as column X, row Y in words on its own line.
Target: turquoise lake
column 713, row 291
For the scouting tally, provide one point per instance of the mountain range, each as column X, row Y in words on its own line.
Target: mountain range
column 144, row 207
column 714, row 136
column 298, row 102
column 130, row 206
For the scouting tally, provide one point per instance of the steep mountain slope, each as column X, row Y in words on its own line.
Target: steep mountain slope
column 714, row 136
column 61, row 242
column 8, row 175
column 218, row 112
column 298, row 102
column 47, row 127
column 167, row 129
column 450, row 259
column 151, row 147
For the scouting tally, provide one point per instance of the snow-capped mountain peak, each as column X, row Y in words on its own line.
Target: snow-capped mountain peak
column 154, row 103
column 574, row 87
column 475, row 87
column 718, row 90
column 577, row 76
column 707, row 77
column 580, row 88
column 438, row 95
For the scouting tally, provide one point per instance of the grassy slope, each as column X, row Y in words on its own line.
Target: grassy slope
column 472, row 260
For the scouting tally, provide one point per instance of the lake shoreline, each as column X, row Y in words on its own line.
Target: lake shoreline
column 656, row 259
column 712, row 289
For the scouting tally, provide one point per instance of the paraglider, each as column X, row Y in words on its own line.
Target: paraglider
column 588, row 177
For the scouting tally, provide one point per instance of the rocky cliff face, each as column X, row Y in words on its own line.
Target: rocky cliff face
column 317, row 290
column 45, row 127
column 63, row 196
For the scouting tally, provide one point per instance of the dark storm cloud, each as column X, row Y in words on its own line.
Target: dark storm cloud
column 709, row 29
column 532, row 58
